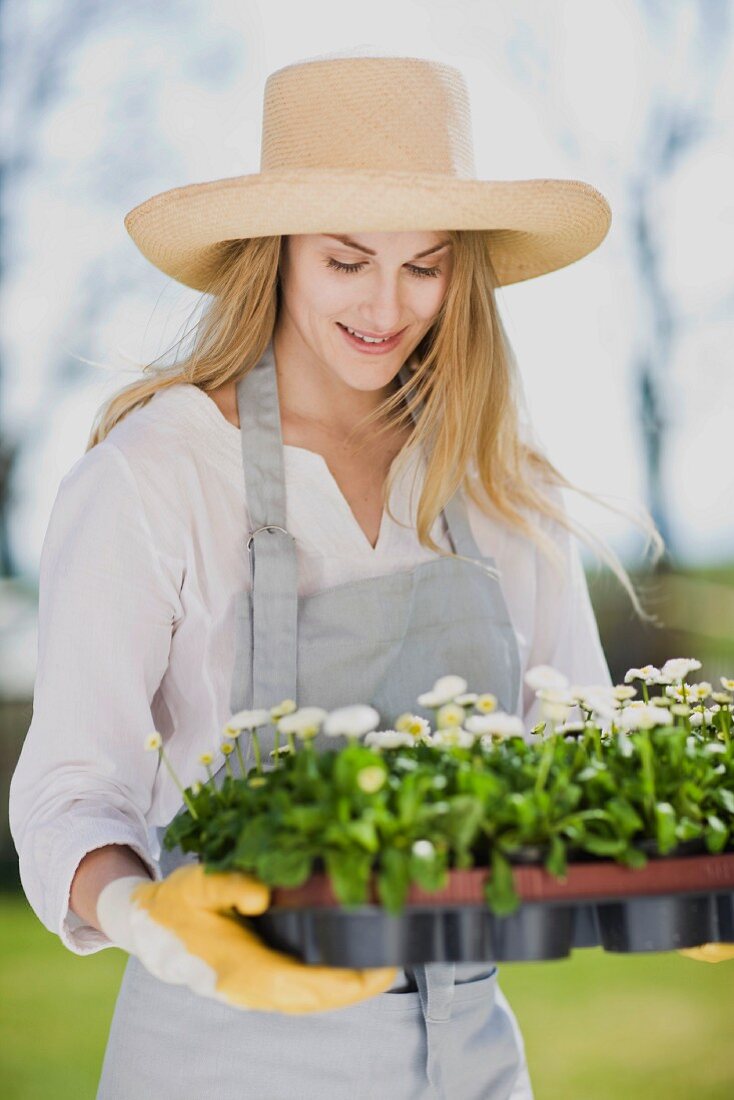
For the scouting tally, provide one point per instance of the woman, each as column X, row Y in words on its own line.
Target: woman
column 170, row 598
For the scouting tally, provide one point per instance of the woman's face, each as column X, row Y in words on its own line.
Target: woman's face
column 377, row 283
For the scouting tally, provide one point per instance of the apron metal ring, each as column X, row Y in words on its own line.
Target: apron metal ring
column 265, row 527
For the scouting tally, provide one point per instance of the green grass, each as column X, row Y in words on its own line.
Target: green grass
column 600, row 1026
column 597, row 1026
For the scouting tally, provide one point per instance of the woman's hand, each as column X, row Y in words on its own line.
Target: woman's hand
column 183, row 931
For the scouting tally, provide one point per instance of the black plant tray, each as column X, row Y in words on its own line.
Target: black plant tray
column 671, row 903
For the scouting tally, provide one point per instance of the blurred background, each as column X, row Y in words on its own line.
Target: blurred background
column 626, row 359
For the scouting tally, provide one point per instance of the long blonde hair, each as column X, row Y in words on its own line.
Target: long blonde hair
column 465, row 381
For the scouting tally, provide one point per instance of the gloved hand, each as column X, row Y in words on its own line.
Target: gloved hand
column 710, row 952
column 182, row 930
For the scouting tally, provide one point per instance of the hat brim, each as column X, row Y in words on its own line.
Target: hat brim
column 535, row 226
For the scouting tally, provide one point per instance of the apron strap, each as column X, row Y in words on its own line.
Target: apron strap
column 271, row 549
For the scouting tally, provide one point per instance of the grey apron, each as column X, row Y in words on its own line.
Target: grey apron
column 443, row 1030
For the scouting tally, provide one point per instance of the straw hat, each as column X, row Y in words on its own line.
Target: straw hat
column 363, row 143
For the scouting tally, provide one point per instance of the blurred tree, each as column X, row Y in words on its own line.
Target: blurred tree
column 36, row 42
column 691, row 37
column 114, row 71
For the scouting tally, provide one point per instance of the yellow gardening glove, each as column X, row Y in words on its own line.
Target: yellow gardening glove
column 710, row 952
column 182, row 930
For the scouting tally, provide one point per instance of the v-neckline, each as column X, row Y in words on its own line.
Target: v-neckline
column 382, row 534
column 234, row 435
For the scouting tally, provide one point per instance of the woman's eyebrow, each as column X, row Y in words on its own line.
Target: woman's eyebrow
column 362, row 248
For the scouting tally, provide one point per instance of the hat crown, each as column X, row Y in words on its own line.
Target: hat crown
column 402, row 114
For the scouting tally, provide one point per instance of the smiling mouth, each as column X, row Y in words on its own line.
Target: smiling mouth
column 370, row 337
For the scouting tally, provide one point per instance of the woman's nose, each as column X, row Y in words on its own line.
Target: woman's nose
column 384, row 309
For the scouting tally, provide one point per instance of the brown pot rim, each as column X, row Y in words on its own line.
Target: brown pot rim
column 583, row 882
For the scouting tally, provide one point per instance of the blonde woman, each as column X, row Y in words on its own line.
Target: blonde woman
column 334, row 497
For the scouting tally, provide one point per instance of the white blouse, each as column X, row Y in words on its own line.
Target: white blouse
column 144, row 551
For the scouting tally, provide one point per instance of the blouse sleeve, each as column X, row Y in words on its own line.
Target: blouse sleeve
column 107, row 607
column 566, row 635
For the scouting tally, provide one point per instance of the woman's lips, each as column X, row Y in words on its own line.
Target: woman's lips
column 371, row 349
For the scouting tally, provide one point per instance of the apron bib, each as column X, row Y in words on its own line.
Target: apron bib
column 442, row 1031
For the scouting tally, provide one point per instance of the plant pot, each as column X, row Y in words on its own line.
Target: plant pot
column 663, row 923
column 370, row 937
column 649, row 846
column 670, row 903
column 585, row 926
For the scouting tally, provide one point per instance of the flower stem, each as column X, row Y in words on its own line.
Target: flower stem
column 239, row 756
column 256, row 747
column 185, row 797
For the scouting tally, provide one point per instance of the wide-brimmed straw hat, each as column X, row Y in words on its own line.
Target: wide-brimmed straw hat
column 369, row 143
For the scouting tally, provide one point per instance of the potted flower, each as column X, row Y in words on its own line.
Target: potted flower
column 469, row 837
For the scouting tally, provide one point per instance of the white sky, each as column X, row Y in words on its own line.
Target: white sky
column 568, row 100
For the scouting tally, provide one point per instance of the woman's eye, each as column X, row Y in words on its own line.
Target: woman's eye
column 419, row 272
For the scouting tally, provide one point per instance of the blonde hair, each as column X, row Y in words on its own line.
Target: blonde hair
column 465, row 380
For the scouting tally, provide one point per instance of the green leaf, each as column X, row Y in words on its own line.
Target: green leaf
column 410, row 798
column 624, row 815
column 349, row 872
column 364, row 833
column 430, row 874
column 253, row 840
column 462, row 821
column 716, row 834
column 556, row 859
column 604, row 845
column 523, row 808
column 499, row 889
column 284, row 868
column 633, row 857
column 306, row 819
column 725, row 798
column 665, row 822
column 686, row 829
column 393, row 879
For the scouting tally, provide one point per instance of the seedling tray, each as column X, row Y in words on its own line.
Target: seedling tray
column 671, row 903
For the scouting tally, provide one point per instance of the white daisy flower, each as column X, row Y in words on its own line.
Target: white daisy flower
column 286, row 706
column 603, row 704
column 453, row 736
column 648, row 673
column 371, row 778
column 304, row 722
column 248, row 719
column 544, row 676
column 414, row 724
column 153, row 741
column 466, row 699
column 677, row 668
column 486, row 703
column 351, row 721
column 389, row 739
column 449, row 715
column 500, row 724
column 443, row 691
column 644, row 717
